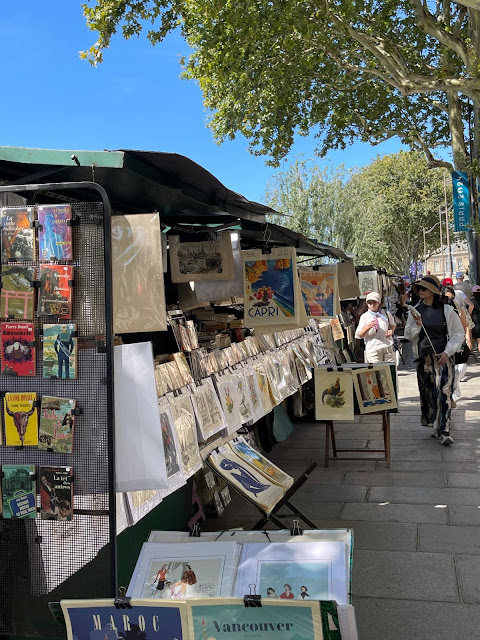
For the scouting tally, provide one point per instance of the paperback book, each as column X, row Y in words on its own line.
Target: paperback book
column 56, row 493
column 18, row 491
column 55, row 290
column 18, row 238
column 18, row 293
column 55, row 232
column 59, row 351
column 18, row 352
column 57, row 422
column 21, row 419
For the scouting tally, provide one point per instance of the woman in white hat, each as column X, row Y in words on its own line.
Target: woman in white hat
column 437, row 334
column 377, row 331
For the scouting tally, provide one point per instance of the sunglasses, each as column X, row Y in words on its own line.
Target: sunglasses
column 421, row 288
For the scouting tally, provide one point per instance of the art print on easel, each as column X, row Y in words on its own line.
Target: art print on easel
column 374, row 389
column 333, row 395
column 319, row 291
column 270, row 287
column 208, row 260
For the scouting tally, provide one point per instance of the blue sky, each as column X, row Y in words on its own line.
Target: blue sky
column 134, row 100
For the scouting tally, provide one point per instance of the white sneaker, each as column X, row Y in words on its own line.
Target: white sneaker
column 447, row 440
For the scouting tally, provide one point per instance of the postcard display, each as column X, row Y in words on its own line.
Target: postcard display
column 55, row 386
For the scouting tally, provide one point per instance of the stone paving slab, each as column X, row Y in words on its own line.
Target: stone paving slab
column 331, row 493
column 389, row 478
column 449, row 539
column 429, row 465
column 456, row 453
column 394, row 513
column 463, row 480
column 379, row 619
column 464, row 515
column 424, row 495
column 405, row 576
column 385, row 536
column 468, row 572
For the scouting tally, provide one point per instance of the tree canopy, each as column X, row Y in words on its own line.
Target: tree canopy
column 344, row 69
column 376, row 212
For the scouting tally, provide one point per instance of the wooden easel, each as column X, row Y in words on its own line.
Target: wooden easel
column 330, row 435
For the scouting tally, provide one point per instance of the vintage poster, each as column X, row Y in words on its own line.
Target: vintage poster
column 21, row 419
column 368, row 282
column 146, row 620
column 252, row 484
column 18, row 293
column 171, row 449
column 337, row 330
column 184, row 570
column 56, row 493
column 55, row 299
column 333, row 394
column 270, row 287
column 18, row 237
column 185, row 425
column 60, row 351
column 229, row 618
column 18, row 350
column 262, row 464
column 57, row 421
column 285, row 570
column 55, row 232
column 208, row 260
column 138, row 286
column 320, row 291
column 374, row 389
column 18, row 491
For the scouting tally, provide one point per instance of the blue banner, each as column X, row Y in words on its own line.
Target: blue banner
column 461, row 201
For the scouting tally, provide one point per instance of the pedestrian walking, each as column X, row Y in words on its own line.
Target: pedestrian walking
column 437, row 334
column 376, row 329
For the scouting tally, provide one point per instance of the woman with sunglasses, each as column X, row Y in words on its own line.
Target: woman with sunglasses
column 437, row 334
column 376, row 330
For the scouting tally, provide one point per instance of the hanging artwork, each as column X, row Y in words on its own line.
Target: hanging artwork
column 230, row 398
column 184, row 419
column 140, row 503
column 263, row 386
column 321, row 567
column 138, row 287
column 184, row 570
column 333, row 394
column 208, row 260
column 249, row 482
column 208, row 410
column 374, row 389
column 337, row 330
column 368, row 282
column 320, row 290
column 270, row 287
column 171, row 449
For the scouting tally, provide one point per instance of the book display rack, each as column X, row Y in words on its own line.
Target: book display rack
column 59, row 518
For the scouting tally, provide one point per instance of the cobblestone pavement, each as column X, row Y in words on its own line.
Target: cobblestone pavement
column 416, row 564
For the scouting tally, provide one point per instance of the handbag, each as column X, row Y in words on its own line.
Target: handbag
column 461, row 357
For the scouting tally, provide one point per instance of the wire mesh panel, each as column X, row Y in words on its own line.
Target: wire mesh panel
column 46, row 560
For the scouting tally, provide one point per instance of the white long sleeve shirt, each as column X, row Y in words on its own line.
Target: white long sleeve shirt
column 375, row 338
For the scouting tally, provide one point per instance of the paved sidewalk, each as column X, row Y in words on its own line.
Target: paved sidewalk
column 416, row 566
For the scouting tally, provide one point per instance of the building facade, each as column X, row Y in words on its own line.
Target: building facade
column 459, row 259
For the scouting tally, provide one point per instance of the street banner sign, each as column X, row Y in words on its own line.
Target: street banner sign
column 461, row 201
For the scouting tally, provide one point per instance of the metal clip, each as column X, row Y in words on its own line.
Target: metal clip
column 195, row 530
column 295, row 530
column 252, row 599
column 122, row 601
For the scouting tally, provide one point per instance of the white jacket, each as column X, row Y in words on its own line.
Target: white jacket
column 456, row 333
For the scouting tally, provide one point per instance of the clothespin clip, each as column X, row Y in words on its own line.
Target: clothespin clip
column 295, row 530
column 195, row 530
column 122, row 601
column 252, row 599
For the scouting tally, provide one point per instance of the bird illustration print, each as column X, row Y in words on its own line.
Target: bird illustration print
column 333, row 395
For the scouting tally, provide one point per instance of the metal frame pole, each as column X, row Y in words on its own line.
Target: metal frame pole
column 107, row 256
column 449, row 247
column 442, row 270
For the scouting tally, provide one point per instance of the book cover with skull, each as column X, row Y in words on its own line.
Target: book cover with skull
column 21, row 421
column 18, row 350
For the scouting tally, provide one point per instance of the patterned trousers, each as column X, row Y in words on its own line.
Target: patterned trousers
column 435, row 384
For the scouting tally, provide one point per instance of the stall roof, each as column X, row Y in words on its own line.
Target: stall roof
column 139, row 181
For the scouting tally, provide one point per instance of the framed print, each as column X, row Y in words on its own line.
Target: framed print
column 274, row 620
column 368, row 282
column 270, row 287
column 184, row 570
column 138, row 286
column 374, row 389
column 333, row 394
column 287, row 567
column 209, row 260
column 320, row 291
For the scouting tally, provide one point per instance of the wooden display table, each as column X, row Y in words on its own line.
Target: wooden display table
column 330, row 435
